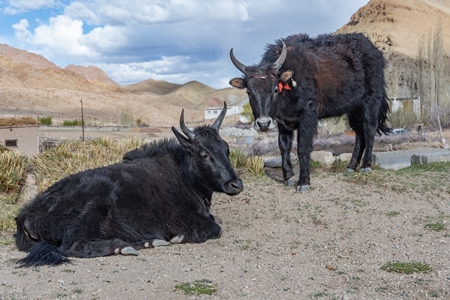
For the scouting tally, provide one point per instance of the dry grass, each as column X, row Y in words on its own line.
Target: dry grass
column 12, row 169
column 5, row 122
column 72, row 157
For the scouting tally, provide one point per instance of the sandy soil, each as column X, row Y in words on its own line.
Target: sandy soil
column 327, row 243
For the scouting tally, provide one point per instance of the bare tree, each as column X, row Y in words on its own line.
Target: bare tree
column 431, row 69
column 438, row 62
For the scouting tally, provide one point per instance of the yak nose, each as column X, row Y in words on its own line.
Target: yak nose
column 264, row 124
column 235, row 187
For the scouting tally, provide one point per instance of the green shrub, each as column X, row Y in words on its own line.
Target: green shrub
column 45, row 120
column 238, row 158
column 406, row 267
column 198, row 287
column 72, row 123
column 247, row 112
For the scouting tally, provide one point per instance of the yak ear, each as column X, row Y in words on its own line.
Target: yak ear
column 237, row 83
column 184, row 142
column 286, row 76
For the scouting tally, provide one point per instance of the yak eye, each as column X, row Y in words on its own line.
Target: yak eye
column 204, row 155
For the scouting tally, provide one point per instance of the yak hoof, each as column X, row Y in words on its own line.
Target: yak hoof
column 348, row 170
column 302, row 188
column 290, row 181
column 159, row 243
column 129, row 251
column 365, row 170
column 177, row 239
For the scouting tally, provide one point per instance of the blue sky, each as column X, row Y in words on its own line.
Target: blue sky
column 172, row 40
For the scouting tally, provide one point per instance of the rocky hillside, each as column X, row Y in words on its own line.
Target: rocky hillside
column 398, row 27
column 22, row 56
column 32, row 85
column 92, row 74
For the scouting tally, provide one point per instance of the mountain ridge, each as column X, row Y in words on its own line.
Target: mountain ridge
column 32, row 85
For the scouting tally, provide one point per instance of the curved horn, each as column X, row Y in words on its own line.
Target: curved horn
column 218, row 121
column 240, row 66
column 279, row 62
column 189, row 133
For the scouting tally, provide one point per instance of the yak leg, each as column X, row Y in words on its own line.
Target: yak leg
column 86, row 248
column 285, row 145
column 356, row 123
column 152, row 243
column 370, row 129
column 305, row 136
column 196, row 228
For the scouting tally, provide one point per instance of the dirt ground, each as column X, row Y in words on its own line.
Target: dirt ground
column 327, row 243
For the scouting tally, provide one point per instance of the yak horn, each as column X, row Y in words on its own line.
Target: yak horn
column 279, row 62
column 240, row 66
column 189, row 133
column 218, row 121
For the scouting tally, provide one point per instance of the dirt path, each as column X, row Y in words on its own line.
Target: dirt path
column 327, row 243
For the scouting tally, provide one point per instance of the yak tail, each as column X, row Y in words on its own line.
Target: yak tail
column 383, row 112
column 39, row 252
column 43, row 253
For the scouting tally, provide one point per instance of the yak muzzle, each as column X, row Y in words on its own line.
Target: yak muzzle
column 234, row 187
column 264, row 124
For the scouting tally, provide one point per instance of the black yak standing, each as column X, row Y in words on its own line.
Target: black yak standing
column 301, row 80
column 160, row 194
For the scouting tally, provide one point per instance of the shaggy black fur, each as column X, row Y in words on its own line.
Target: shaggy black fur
column 160, row 191
column 322, row 77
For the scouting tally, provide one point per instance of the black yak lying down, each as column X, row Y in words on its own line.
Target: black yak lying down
column 160, row 194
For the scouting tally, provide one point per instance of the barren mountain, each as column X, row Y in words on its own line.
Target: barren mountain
column 22, row 56
column 152, row 86
column 398, row 28
column 92, row 74
column 32, row 85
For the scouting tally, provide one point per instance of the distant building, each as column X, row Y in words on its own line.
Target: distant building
column 233, row 109
column 213, row 112
column 20, row 135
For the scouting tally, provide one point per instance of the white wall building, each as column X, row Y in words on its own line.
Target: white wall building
column 232, row 109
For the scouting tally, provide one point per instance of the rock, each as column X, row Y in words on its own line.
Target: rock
column 323, row 157
column 344, row 157
column 28, row 190
column 275, row 162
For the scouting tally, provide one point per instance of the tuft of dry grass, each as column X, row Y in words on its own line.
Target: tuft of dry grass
column 12, row 170
column 18, row 121
column 254, row 165
column 76, row 156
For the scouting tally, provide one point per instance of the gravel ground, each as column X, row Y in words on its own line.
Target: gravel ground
column 327, row 243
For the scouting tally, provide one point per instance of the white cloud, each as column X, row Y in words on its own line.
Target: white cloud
column 62, row 36
column 167, row 68
column 104, row 39
column 21, row 30
column 172, row 40
column 79, row 11
column 19, row 6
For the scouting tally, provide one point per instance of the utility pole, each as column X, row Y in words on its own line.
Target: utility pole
column 82, row 121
